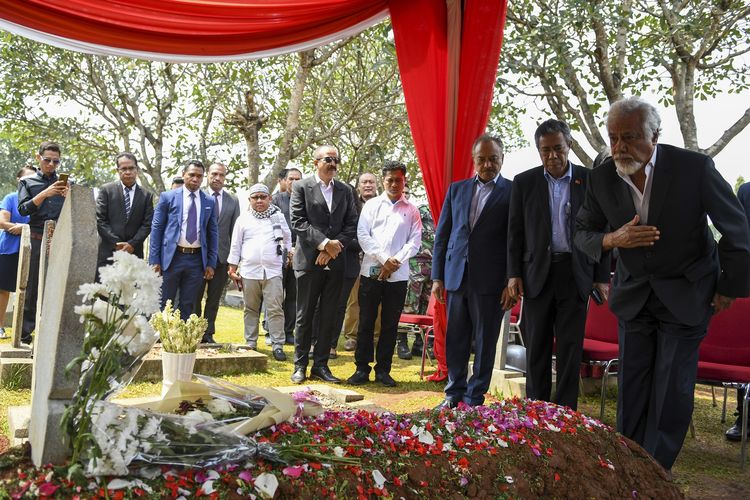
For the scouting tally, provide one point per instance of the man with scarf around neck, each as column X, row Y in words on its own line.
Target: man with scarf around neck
column 256, row 260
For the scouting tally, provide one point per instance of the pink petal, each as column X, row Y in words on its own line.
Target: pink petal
column 245, row 475
column 293, row 471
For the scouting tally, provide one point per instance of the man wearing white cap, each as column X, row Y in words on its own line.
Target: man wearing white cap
column 255, row 260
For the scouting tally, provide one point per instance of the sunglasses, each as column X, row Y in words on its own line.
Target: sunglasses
column 330, row 159
column 54, row 161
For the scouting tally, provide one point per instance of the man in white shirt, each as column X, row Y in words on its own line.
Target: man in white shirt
column 259, row 239
column 389, row 233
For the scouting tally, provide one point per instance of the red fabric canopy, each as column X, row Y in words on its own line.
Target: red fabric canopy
column 447, row 51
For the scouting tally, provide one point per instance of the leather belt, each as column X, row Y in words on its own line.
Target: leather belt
column 36, row 236
column 188, row 250
column 561, row 256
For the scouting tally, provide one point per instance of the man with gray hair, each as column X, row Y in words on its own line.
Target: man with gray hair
column 651, row 201
column 256, row 258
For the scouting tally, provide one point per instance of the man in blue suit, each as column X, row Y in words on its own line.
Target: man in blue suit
column 184, row 239
column 469, row 262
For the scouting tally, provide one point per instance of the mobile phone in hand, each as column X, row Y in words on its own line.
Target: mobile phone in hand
column 63, row 176
column 596, row 296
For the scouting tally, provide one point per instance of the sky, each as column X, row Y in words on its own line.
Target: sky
column 712, row 117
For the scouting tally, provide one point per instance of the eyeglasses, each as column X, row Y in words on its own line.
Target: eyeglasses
column 330, row 159
column 257, row 197
column 54, row 161
column 127, row 169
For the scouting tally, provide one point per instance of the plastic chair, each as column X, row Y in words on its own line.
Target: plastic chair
column 423, row 324
column 724, row 357
column 516, row 313
column 600, row 344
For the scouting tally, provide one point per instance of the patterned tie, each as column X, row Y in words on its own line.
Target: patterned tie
column 191, row 233
column 127, row 202
column 216, row 204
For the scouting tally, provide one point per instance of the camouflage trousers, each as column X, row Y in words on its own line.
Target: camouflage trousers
column 418, row 290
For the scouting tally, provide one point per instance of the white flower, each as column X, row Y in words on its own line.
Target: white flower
column 338, row 451
column 92, row 290
column 199, row 417
column 266, row 484
column 134, row 281
column 220, row 406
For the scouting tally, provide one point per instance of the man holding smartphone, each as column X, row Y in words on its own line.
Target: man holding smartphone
column 41, row 197
column 553, row 277
column 390, row 233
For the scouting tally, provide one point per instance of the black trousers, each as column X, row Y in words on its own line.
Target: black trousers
column 289, row 282
column 32, row 290
column 557, row 316
column 389, row 297
column 215, row 288
column 312, row 287
column 656, row 379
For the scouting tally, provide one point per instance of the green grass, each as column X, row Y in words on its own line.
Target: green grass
column 708, row 466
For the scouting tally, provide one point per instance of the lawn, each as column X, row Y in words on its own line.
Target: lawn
column 708, row 466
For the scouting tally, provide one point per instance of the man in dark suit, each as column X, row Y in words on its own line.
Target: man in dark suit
column 542, row 265
column 184, row 239
column 123, row 212
column 325, row 219
column 469, row 262
column 651, row 202
column 289, row 282
column 734, row 433
column 228, row 209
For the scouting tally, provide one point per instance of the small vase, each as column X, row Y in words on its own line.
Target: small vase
column 174, row 367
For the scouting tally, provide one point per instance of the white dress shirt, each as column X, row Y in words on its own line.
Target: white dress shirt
column 642, row 200
column 254, row 249
column 482, row 191
column 327, row 190
column 186, row 201
column 387, row 230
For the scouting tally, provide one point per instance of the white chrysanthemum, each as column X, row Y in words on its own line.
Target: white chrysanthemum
column 220, row 406
column 134, row 281
column 199, row 417
column 91, row 290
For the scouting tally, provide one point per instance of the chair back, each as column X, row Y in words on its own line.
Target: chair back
column 601, row 323
column 727, row 339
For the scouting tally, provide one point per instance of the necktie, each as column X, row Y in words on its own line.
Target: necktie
column 191, row 232
column 127, row 202
column 216, row 203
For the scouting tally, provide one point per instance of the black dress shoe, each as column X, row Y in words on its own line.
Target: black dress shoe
column 324, row 373
column 446, row 404
column 299, row 375
column 278, row 354
column 360, row 377
column 385, row 379
column 208, row 339
column 734, row 433
column 403, row 351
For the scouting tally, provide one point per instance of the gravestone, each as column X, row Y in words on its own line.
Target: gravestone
column 22, row 278
column 59, row 336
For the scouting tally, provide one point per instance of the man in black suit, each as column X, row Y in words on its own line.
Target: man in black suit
column 542, row 265
column 734, row 433
column 123, row 212
column 228, row 209
column 325, row 219
column 469, row 262
column 289, row 282
column 651, row 202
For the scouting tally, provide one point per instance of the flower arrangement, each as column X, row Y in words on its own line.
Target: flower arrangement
column 178, row 336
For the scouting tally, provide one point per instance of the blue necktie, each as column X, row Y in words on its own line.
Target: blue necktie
column 191, row 232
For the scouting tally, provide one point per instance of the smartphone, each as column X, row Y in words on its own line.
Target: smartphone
column 63, row 176
column 375, row 271
column 596, row 296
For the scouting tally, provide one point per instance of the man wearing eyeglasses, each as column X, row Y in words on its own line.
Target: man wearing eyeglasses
column 324, row 216
column 123, row 212
column 41, row 197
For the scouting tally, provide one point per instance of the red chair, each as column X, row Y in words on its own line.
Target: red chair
column 724, row 356
column 422, row 325
column 600, row 345
column 515, row 321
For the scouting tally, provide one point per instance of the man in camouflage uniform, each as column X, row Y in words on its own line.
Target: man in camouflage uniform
column 420, row 284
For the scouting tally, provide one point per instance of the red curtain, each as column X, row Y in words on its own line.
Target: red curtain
column 198, row 27
column 446, row 111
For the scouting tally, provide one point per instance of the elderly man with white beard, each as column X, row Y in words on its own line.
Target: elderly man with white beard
column 651, row 202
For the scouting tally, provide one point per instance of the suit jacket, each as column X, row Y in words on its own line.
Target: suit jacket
column 483, row 247
column 685, row 267
column 744, row 196
column 352, row 260
column 111, row 223
column 282, row 200
column 230, row 210
column 313, row 222
column 530, row 233
column 165, row 229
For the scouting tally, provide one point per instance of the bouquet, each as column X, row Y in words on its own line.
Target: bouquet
column 178, row 336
